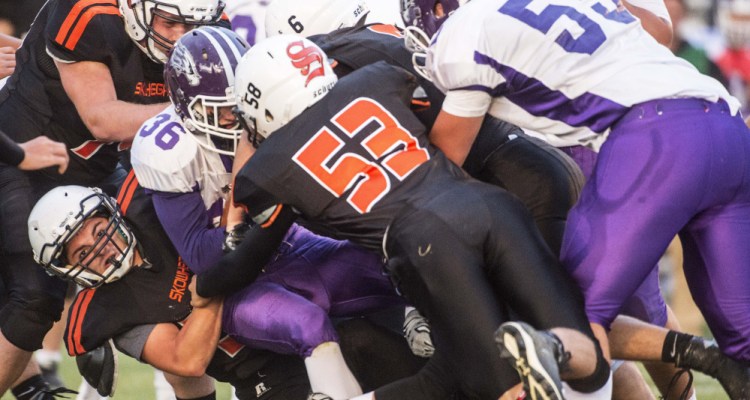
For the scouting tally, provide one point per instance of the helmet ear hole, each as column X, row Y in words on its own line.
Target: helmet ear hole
column 269, row 117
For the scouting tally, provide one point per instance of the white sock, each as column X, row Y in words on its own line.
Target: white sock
column 162, row 387
column 329, row 374
column 47, row 358
column 604, row 393
column 366, row 396
column 87, row 392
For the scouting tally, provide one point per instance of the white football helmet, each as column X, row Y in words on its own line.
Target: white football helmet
column 138, row 16
column 59, row 215
column 276, row 80
column 312, row 17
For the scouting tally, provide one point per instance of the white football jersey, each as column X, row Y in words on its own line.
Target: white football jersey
column 166, row 157
column 248, row 18
column 559, row 67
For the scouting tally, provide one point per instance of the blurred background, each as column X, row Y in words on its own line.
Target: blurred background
column 713, row 35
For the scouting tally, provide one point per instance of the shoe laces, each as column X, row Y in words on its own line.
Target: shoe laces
column 56, row 393
column 685, row 395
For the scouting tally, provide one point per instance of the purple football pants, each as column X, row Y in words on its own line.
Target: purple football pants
column 669, row 166
column 647, row 303
column 311, row 278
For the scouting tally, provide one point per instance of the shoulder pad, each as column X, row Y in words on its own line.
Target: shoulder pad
column 75, row 32
column 164, row 156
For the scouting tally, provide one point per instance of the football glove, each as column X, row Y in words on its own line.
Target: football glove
column 417, row 333
column 99, row 368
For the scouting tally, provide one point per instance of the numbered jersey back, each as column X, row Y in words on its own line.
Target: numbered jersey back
column 560, row 67
column 350, row 161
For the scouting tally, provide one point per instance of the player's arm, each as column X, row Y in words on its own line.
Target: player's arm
column 8, row 47
column 40, row 152
column 242, row 266
column 90, row 86
column 658, row 27
column 187, row 351
column 458, row 123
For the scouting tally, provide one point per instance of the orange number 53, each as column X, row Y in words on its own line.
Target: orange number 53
column 369, row 175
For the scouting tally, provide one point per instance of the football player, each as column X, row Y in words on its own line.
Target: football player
column 183, row 156
column 547, row 181
column 87, row 77
column 351, row 158
column 495, row 67
column 136, row 292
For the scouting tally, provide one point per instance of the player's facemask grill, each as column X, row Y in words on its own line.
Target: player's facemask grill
column 248, row 124
column 114, row 236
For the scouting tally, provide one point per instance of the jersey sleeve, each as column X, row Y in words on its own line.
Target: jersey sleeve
column 467, row 103
column 81, row 30
column 163, row 157
column 657, row 7
column 133, row 341
column 10, row 152
column 461, row 59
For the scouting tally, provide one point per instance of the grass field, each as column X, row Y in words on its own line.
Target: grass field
column 135, row 382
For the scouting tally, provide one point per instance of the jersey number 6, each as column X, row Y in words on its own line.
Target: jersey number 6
column 367, row 175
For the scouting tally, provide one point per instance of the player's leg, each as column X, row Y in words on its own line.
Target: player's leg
column 35, row 299
column 442, row 274
column 547, row 181
column 266, row 315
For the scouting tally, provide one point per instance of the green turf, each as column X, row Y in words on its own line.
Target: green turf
column 135, row 382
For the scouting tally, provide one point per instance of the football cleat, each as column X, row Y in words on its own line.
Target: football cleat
column 535, row 356
column 318, row 396
column 705, row 356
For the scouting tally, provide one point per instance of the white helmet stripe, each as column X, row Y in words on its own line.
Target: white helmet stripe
column 229, row 72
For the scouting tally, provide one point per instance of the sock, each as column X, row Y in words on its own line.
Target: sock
column 47, row 358
column 329, row 374
column 29, row 388
column 366, row 396
column 211, row 396
column 675, row 343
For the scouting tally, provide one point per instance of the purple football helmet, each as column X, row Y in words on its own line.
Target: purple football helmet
column 200, row 80
column 421, row 13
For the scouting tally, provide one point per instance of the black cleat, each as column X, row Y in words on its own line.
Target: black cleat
column 535, row 355
column 705, row 356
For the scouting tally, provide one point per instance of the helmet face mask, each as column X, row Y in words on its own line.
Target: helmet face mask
column 200, row 81
column 57, row 220
column 423, row 13
column 277, row 80
column 139, row 17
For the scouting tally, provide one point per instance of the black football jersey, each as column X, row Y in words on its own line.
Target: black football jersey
column 150, row 296
column 351, row 161
column 76, row 30
column 355, row 47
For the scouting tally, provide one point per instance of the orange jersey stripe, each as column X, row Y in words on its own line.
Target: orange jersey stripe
column 273, row 217
column 129, row 196
column 125, row 186
column 84, row 21
column 75, row 322
column 73, row 15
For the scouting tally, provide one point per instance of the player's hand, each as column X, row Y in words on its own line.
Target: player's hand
column 196, row 300
column 417, row 333
column 7, row 61
column 43, row 152
column 234, row 236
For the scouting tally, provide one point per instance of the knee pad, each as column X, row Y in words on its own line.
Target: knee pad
column 596, row 380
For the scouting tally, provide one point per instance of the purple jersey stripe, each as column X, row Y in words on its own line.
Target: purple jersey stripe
column 586, row 110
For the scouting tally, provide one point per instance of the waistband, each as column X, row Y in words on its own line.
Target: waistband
column 658, row 107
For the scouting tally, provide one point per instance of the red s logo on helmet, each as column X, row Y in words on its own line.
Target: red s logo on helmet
column 305, row 58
